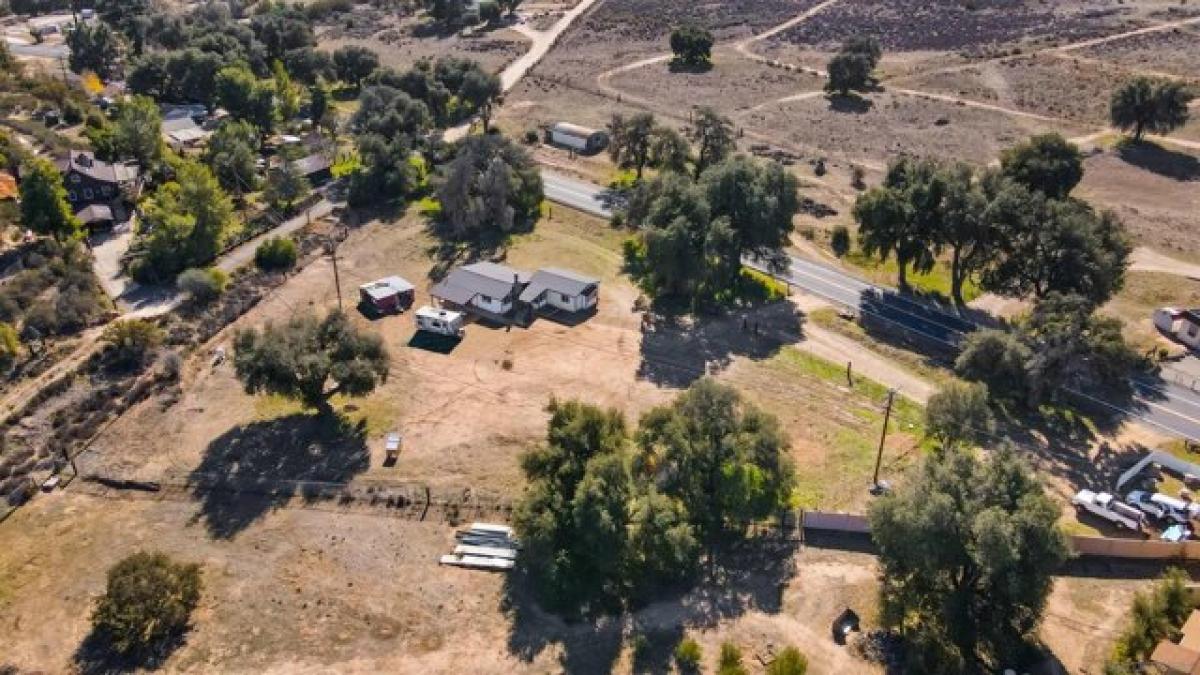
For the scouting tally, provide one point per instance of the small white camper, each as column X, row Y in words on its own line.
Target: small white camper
column 440, row 321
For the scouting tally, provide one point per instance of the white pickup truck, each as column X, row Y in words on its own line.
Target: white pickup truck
column 1109, row 508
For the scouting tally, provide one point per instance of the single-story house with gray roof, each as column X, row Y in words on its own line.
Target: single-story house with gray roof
column 490, row 287
column 561, row 289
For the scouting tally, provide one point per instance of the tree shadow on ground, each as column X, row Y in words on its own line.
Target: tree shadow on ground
column 751, row 575
column 258, row 467
column 851, row 103
column 1155, row 158
column 681, row 66
column 678, row 350
column 96, row 656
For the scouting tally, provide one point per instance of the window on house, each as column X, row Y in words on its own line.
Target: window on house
column 106, row 190
column 72, row 196
column 75, row 178
column 485, row 298
column 1192, row 330
column 88, row 194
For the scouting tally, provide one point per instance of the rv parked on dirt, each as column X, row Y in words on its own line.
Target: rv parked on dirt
column 440, row 321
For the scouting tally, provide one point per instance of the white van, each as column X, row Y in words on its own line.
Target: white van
column 440, row 321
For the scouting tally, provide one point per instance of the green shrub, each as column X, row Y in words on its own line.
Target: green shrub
column 839, row 241
column 789, row 662
column 276, row 254
column 149, row 598
column 130, row 341
column 10, row 346
column 688, row 655
column 730, row 662
column 203, row 286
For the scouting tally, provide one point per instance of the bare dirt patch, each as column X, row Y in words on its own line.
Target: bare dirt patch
column 1035, row 84
column 652, row 20
column 1144, row 187
column 1171, row 51
column 733, row 84
column 894, row 124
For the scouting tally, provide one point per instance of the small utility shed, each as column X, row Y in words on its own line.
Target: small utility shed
column 484, row 286
column 316, row 168
column 582, row 139
column 390, row 294
column 561, row 289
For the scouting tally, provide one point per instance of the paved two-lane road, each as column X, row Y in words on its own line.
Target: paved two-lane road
column 1159, row 404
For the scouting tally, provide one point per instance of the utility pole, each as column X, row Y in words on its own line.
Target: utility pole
column 331, row 248
column 876, row 488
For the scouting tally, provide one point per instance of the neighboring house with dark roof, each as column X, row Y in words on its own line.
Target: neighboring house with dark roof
column 110, row 187
column 92, row 181
column 494, row 289
column 317, row 168
column 561, row 289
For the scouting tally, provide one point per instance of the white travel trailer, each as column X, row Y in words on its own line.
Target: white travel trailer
column 440, row 321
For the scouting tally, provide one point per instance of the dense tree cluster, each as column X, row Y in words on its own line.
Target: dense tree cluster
column 639, row 142
column 1014, row 229
column 185, row 224
column 95, row 48
column 693, row 235
column 232, row 153
column 310, row 359
column 397, row 109
column 692, row 46
column 1146, row 104
column 853, row 67
column 1062, row 343
column 491, row 188
column 44, row 206
column 610, row 515
column 967, row 550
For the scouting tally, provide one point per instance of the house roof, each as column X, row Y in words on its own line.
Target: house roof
column 312, row 164
column 572, row 129
column 1176, row 659
column 178, row 124
column 563, row 281
column 8, row 186
column 1191, row 633
column 482, row 278
column 386, row 287
column 96, row 213
column 87, row 164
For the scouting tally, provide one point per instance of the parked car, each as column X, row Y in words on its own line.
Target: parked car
column 1162, row 506
column 1109, row 508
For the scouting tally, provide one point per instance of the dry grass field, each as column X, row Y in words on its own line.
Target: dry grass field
column 297, row 582
column 401, row 40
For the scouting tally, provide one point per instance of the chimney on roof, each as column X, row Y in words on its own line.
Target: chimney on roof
column 83, row 159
